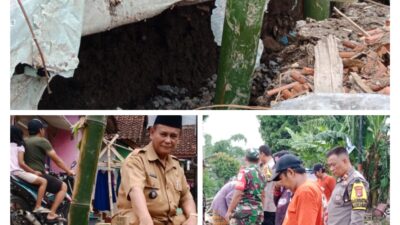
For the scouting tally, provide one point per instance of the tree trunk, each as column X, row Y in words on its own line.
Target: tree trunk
column 89, row 154
column 242, row 27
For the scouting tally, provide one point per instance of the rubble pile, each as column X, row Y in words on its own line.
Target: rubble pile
column 364, row 51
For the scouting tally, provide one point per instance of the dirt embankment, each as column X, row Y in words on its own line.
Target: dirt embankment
column 123, row 67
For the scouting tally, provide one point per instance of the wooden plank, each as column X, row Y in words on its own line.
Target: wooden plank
column 328, row 77
column 361, row 83
column 108, row 145
column 109, row 179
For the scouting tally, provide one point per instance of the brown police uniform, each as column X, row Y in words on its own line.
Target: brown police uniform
column 164, row 187
column 349, row 200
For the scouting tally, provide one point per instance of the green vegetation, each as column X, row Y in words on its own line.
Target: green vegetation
column 222, row 160
column 310, row 137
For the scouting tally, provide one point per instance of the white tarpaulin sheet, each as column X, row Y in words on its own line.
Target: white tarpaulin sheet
column 217, row 26
column 100, row 16
column 58, row 26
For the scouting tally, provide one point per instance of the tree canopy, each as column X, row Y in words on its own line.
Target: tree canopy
column 222, row 160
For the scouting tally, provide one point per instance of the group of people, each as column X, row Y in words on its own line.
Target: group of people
column 153, row 184
column 27, row 162
column 275, row 189
column 270, row 189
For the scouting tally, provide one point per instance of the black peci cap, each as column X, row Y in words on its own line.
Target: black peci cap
column 171, row 121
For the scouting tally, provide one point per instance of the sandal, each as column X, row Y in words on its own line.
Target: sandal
column 41, row 210
column 58, row 218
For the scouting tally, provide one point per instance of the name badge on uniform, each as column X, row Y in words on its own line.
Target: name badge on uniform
column 338, row 198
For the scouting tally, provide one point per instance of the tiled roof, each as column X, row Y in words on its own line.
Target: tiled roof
column 130, row 127
column 188, row 145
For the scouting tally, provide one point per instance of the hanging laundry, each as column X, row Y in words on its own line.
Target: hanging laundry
column 101, row 199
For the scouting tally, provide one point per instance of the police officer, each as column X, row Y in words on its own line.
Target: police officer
column 246, row 205
column 268, row 164
column 349, row 200
column 153, row 184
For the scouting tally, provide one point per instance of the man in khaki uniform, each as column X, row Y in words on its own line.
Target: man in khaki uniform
column 153, row 184
column 268, row 164
column 349, row 199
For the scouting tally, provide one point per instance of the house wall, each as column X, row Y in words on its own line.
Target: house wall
column 65, row 146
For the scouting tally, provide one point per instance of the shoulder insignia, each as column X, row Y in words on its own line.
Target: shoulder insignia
column 359, row 199
column 138, row 150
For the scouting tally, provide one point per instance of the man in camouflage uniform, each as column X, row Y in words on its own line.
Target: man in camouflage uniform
column 246, row 205
column 349, row 199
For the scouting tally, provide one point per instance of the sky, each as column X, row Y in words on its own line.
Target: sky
column 223, row 126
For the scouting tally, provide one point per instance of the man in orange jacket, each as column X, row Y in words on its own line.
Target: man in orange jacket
column 306, row 206
column 326, row 182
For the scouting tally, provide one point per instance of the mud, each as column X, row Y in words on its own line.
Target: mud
column 123, row 67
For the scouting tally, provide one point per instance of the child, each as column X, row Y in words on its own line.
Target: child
column 19, row 169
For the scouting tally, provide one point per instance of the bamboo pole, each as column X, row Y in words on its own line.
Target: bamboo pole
column 317, row 9
column 242, row 27
column 87, row 165
column 109, row 180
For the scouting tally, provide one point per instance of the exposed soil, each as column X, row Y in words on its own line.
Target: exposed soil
column 170, row 61
column 123, row 67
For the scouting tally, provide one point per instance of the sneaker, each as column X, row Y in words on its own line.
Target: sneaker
column 41, row 210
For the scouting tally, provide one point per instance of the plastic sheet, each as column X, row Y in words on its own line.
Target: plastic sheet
column 58, row 27
column 217, row 26
column 101, row 16
column 26, row 91
column 336, row 102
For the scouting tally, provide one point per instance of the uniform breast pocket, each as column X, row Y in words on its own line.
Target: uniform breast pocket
column 337, row 197
column 178, row 186
column 152, row 189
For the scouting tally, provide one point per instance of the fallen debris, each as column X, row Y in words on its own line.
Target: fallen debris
column 356, row 61
column 328, row 77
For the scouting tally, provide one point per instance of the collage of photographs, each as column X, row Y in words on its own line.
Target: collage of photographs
column 200, row 112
